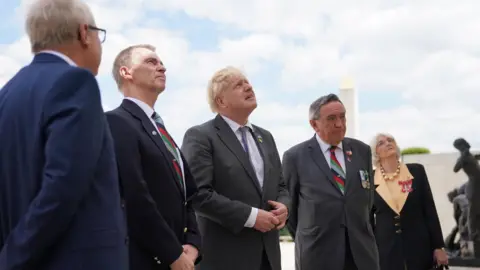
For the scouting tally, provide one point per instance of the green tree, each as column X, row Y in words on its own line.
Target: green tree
column 415, row 150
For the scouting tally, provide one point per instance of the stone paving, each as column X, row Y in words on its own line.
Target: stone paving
column 288, row 258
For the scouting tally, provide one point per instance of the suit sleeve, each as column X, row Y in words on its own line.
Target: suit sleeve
column 74, row 128
column 430, row 211
column 192, row 235
column 291, row 178
column 145, row 222
column 231, row 214
column 283, row 194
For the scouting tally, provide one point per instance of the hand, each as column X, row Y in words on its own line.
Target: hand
column 265, row 221
column 280, row 211
column 182, row 263
column 440, row 256
column 191, row 252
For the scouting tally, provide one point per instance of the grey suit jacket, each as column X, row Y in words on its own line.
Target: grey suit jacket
column 320, row 213
column 228, row 188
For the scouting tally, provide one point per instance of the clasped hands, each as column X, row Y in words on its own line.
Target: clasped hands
column 274, row 219
column 187, row 259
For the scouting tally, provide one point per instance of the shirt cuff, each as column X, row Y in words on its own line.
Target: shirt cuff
column 252, row 218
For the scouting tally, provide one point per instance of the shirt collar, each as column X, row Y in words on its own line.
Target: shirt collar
column 325, row 146
column 144, row 106
column 61, row 55
column 234, row 125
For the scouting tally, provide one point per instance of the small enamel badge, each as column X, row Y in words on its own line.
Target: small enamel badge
column 154, row 133
column 349, row 155
column 364, row 177
column 406, row 186
column 259, row 139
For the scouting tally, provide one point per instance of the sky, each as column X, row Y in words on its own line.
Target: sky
column 415, row 64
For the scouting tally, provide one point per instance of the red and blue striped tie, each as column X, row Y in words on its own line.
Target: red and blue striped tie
column 170, row 144
column 336, row 168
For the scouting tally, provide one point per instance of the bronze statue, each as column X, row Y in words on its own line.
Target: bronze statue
column 470, row 166
column 459, row 200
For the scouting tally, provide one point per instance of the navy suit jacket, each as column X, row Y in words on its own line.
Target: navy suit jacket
column 160, row 215
column 60, row 205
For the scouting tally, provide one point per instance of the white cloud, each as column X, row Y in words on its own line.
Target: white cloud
column 427, row 51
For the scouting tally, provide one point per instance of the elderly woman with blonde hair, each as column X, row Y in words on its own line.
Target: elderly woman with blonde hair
column 404, row 217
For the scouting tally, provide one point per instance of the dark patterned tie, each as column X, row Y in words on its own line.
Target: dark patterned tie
column 170, row 144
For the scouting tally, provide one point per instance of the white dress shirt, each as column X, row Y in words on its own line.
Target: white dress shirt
column 255, row 158
column 325, row 147
column 149, row 112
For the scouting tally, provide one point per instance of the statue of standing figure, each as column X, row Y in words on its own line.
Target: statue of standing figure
column 469, row 246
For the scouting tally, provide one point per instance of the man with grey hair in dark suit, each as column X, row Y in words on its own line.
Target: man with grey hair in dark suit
column 330, row 182
column 242, row 200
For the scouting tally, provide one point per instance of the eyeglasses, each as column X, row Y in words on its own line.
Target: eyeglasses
column 102, row 33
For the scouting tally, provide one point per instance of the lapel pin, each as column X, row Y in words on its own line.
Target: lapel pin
column 259, row 138
column 349, row 154
column 154, row 132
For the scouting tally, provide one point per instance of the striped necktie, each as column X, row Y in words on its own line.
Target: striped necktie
column 337, row 171
column 170, row 144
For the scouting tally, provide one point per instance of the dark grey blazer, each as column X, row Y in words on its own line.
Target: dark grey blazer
column 228, row 188
column 320, row 213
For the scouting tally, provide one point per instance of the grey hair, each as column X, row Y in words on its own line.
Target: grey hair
column 314, row 111
column 219, row 83
column 52, row 23
column 373, row 147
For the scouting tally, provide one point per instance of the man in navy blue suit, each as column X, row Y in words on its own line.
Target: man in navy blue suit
column 60, row 205
column 158, row 185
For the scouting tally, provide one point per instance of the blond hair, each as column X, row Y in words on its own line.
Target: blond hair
column 219, row 83
column 52, row 23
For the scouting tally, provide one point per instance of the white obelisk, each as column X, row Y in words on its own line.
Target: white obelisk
column 348, row 96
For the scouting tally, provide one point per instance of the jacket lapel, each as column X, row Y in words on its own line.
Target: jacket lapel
column 350, row 168
column 257, row 136
column 384, row 192
column 227, row 136
column 398, row 199
column 152, row 132
column 319, row 159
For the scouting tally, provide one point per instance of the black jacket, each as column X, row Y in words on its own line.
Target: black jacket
column 411, row 237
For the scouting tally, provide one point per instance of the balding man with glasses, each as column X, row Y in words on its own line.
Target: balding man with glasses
column 60, row 205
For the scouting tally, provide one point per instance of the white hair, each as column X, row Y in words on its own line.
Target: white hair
column 219, row 83
column 373, row 146
column 52, row 23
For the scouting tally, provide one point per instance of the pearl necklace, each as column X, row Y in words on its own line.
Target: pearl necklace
column 391, row 177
